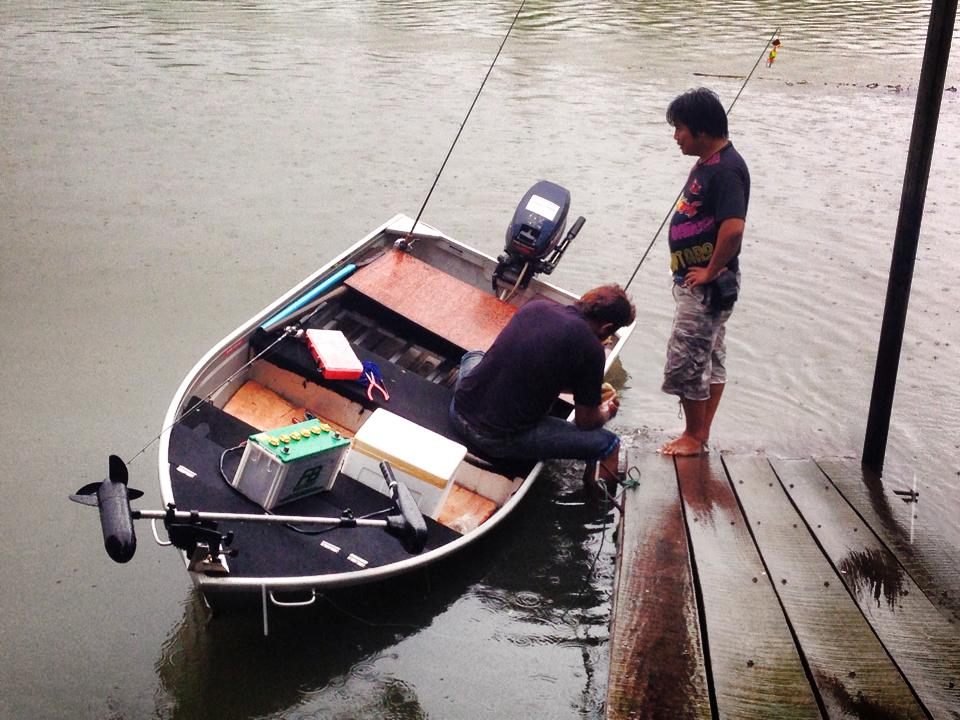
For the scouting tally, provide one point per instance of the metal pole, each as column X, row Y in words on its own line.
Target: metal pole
column 929, row 92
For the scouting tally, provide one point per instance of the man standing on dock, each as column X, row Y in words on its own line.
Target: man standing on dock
column 705, row 237
column 501, row 405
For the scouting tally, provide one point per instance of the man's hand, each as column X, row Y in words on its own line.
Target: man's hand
column 696, row 276
column 590, row 418
column 610, row 408
column 729, row 237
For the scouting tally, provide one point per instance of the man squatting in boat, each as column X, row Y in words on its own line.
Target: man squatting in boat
column 502, row 398
column 705, row 236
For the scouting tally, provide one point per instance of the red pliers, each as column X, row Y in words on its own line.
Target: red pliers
column 374, row 381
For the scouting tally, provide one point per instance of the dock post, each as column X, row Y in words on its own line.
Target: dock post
column 926, row 115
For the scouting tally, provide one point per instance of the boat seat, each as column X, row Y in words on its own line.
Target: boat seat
column 460, row 313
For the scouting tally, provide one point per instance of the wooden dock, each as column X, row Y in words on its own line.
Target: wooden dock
column 755, row 588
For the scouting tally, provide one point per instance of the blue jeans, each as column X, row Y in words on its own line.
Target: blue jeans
column 550, row 438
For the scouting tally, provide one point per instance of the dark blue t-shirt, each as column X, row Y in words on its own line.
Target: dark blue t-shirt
column 716, row 190
column 545, row 349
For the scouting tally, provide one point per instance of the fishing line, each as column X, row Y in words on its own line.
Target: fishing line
column 776, row 33
column 406, row 242
column 209, row 395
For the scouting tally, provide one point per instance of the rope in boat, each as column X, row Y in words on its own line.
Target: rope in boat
column 406, row 242
column 776, row 34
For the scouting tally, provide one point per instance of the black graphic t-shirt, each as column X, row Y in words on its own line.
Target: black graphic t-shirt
column 716, row 190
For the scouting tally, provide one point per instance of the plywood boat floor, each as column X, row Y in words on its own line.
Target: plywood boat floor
column 269, row 550
column 263, row 408
column 447, row 306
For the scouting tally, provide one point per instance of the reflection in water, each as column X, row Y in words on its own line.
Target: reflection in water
column 877, row 574
column 333, row 659
column 225, row 663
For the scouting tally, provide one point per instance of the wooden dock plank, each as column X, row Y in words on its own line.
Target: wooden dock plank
column 924, row 644
column 929, row 552
column 656, row 655
column 460, row 313
column 755, row 666
column 852, row 671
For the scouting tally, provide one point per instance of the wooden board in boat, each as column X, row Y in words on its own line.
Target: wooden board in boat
column 460, row 313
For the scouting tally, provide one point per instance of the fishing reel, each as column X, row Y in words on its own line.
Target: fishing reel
column 533, row 242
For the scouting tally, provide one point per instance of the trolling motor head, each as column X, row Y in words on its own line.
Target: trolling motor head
column 533, row 242
column 112, row 497
column 407, row 524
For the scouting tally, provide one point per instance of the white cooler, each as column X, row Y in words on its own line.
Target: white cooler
column 421, row 459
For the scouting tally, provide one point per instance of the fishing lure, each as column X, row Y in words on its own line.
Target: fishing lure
column 773, row 52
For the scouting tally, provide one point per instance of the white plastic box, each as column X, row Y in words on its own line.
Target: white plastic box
column 421, row 459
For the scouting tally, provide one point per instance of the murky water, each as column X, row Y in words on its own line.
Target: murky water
column 166, row 169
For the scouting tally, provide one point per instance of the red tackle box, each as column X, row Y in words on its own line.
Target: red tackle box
column 333, row 353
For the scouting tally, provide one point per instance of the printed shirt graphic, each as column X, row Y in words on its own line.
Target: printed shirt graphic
column 716, row 190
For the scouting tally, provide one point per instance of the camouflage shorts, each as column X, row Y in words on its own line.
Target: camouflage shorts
column 695, row 352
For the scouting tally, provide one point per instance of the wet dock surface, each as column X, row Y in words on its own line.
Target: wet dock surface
column 750, row 587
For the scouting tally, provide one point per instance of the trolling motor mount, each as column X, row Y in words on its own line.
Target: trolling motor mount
column 533, row 239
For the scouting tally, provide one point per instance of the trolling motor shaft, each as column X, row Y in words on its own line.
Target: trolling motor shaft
column 191, row 529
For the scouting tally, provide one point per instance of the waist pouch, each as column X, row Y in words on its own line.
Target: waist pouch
column 722, row 293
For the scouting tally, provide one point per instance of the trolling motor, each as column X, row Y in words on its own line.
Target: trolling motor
column 196, row 532
column 534, row 242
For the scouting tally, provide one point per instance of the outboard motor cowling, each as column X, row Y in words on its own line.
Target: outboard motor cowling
column 533, row 242
column 538, row 221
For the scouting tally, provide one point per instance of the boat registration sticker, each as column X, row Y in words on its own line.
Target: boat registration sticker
column 357, row 560
column 543, row 207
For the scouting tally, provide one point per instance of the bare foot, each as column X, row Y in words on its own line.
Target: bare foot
column 685, row 445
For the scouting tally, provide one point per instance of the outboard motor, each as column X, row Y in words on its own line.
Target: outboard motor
column 534, row 242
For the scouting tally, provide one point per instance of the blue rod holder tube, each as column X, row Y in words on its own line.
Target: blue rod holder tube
column 341, row 274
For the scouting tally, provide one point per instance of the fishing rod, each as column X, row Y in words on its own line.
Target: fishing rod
column 406, row 242
column 670, row 212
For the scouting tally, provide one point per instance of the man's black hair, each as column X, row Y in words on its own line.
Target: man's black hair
column 701, row 111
